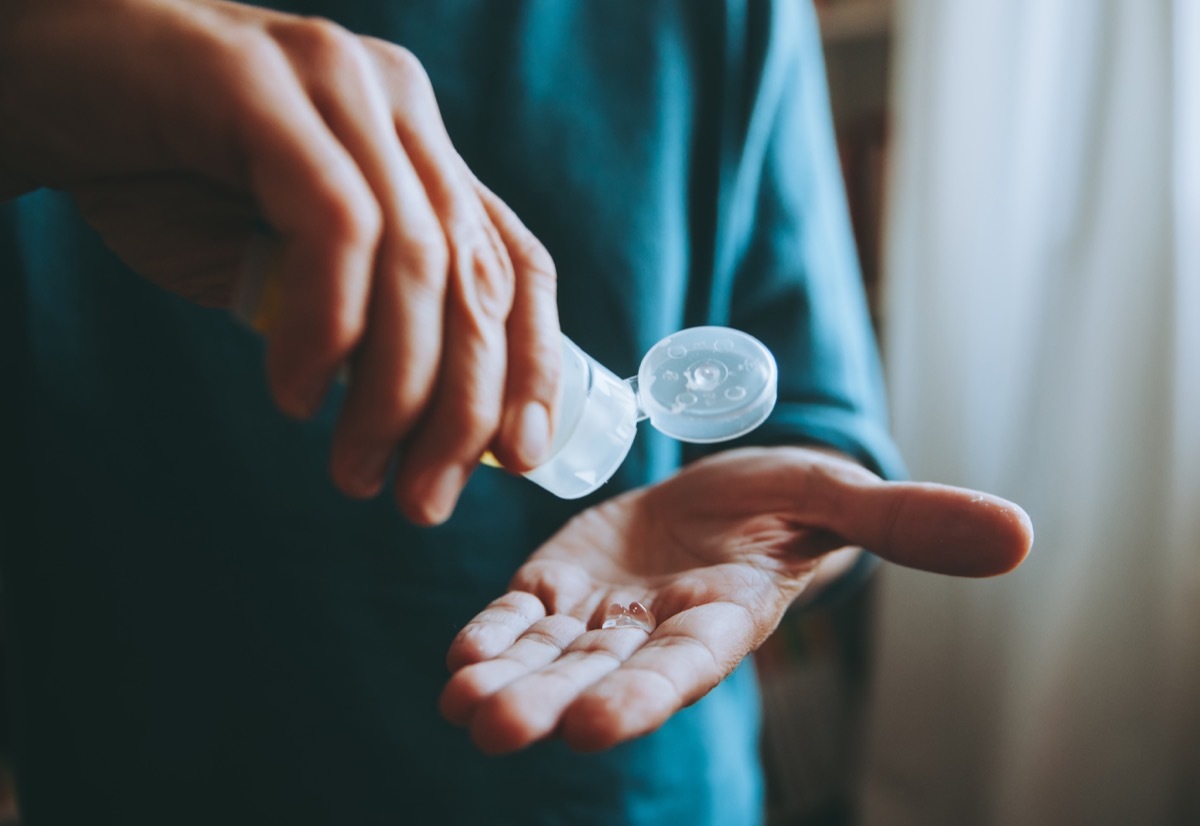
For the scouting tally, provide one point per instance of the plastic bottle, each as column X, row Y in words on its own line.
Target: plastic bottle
column 703, row 384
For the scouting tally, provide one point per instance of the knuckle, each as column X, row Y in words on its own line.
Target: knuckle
column 246, row 60
column 425, row 261
column 492, row 279
column 536, row 264
column 406, row 62
column 401, row 65
column 247, row 50
column 324, row 46
column 349, row 215
column 486, row 277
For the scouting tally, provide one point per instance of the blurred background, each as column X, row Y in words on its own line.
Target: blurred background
column 1024, row 179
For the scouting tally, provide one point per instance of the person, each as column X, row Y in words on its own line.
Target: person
column 216, row 613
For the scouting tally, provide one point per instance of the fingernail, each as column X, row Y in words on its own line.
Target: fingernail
column 443, row 494
column 367, row 472
column 529, row 433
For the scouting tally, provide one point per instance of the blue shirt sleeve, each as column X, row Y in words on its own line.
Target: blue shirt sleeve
column 786, row 268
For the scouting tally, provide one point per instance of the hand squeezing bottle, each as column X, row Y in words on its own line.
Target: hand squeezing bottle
column 702, row 384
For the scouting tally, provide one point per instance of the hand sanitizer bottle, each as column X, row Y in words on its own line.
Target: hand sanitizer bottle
column 703, row 384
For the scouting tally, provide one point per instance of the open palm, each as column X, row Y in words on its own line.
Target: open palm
column 717, row 553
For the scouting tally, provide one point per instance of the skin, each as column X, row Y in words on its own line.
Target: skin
column 181, row 127
column 717, row 553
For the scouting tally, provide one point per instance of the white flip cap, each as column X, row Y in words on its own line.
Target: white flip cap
column 707, row 384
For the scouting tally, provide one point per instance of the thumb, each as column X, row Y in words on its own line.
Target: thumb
column 931, row 527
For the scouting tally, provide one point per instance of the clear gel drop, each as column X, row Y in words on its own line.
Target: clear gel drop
column 635, row 615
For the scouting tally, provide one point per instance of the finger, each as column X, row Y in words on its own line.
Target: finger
column 464, row 414
column 528, row 708
column 686, row 657
column 931, row 527
column 538, row 646
column 494, row 629
column 564, row 587
column 462, row 418
column 534, row 344
column 920, row 525
column 315, row 198
column 396, row 364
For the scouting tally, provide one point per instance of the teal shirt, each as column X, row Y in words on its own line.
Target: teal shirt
column 202, row 630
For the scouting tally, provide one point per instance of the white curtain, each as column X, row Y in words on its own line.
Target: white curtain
column 1042, row 337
